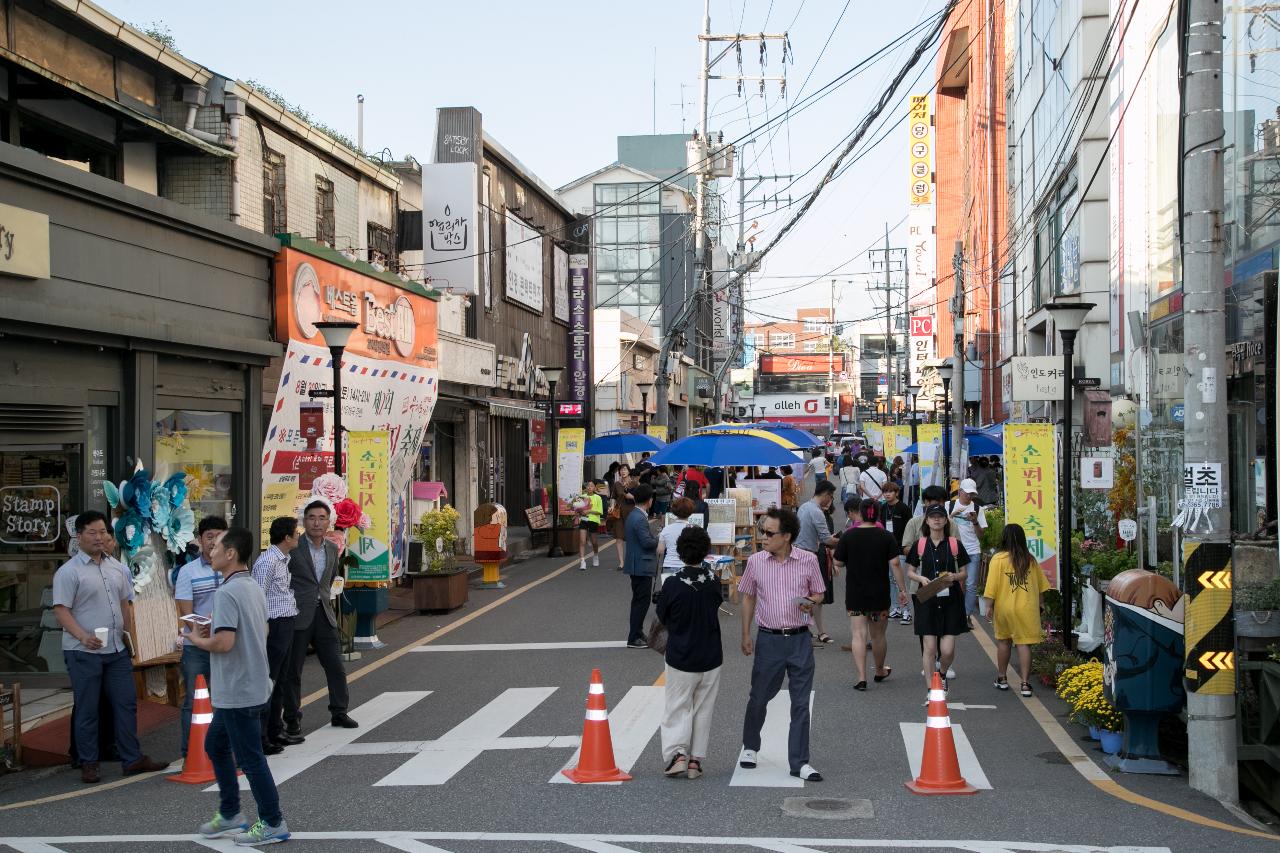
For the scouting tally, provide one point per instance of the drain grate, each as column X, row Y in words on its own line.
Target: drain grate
column 827, row 808
column 1052, row 758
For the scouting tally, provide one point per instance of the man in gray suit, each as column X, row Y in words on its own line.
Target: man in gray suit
column 312, row 568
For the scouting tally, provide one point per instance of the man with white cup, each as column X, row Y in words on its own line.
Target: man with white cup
column 91, row 600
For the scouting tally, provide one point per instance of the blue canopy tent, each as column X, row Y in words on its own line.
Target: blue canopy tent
column 981, row 443
column 623, row 441
column 720, row 449
column 798, row 438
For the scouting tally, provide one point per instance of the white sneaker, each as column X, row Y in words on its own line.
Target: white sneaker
column 807, row 773
column 747, row 759
column 595, row 560
column 582, row 565
column 951, row 674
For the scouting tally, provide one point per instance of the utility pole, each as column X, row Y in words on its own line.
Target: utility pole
column 1211, row 702
column 957, row 380
column 890, row 343
column 833, row 410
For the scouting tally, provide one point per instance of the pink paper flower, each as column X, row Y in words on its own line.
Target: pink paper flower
column 329, row 486
column 365, row 522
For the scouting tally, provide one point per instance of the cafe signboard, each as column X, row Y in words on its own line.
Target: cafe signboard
column 24, row 243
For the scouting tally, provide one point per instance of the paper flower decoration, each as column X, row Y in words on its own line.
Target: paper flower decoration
column 136, row 493
column 180, row 530
column 177, row 488
column 199, row 480
column 329, row 486
column 346, row 514
column 365, row 522
column 131, row 529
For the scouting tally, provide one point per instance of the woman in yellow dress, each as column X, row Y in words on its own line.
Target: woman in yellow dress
column 1015, row 586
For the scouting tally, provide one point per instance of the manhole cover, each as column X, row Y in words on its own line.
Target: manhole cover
column 1052, row 758
column 826, row 808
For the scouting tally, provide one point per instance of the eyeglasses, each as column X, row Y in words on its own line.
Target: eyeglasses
column 769, row 534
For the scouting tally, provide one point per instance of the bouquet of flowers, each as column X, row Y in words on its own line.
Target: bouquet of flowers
column 331, row 490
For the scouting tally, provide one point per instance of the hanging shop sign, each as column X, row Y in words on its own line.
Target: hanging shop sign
column 450, row 226
column 524, row 263
column 920, row 141
column 579, row 327
column 560, row 282
column 807, row 364
column 1036, row 377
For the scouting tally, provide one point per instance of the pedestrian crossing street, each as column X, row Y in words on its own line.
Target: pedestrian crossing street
column 510, row 842
column 634, row 723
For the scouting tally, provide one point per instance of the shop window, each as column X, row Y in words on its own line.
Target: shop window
column 200, row 445
column 326, row 224
column 382, row 244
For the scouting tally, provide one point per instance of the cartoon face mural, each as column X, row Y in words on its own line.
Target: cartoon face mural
column 1144, row 642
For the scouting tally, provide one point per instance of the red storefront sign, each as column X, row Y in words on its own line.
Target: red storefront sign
column 813, row 364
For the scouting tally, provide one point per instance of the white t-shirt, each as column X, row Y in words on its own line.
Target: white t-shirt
column 817, row 465
column 913, row 474
column 872, row 482
column 671, row 561
column 964, row 528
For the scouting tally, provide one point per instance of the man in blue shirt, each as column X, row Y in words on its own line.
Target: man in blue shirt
column 271, row 571
column 193, row 594
column 640, row 563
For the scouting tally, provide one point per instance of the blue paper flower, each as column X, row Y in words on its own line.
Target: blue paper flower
column 180, row 529
column 112, row 493
column 137, row 493
column 160, row 507
column 177, row 486
column 131, row 530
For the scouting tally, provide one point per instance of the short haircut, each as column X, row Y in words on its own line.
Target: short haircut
column 282, row 528
column 852, row 504
column 692, row 545
column 891, row 486
column 788, row 523
column 316, row 505
column 826, row 487
column 817, row 451
column 786, row 470
column 693, row 491
column 600, row 482
column 210, row 522
column 642, row 494
column 89, row 516
column 682, row 508
column 934, row 493
column 240, row 540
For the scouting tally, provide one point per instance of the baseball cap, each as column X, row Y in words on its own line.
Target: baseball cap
column 968, row 485
column 935, row 510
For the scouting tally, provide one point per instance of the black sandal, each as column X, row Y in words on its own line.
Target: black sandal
column 1026, row 690
column 861, row 685
column 888, row 671
column 1002, row 683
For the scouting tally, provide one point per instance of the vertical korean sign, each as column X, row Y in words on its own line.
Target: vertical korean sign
column 570, row 444
column 580, row 314
column 1031, row 490
column 920, row 161
column 368, row 484
column 921, row 347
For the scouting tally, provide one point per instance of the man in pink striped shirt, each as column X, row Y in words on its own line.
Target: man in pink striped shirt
column 779, row 589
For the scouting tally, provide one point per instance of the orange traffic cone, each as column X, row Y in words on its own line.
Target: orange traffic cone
column 197, row 770
column 595, row 759
column 939, row 764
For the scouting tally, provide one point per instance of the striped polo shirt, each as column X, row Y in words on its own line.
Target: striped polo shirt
column 776, row 584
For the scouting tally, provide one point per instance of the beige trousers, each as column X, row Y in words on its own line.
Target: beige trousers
column 686, row 723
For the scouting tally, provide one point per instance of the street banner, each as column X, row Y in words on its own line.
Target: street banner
column 368, row 484
column 570, row 444
column 658, row 431
column 1031, row 490
column 875, row 437
column 930, row 442
column 897, row 440
column 922, row 347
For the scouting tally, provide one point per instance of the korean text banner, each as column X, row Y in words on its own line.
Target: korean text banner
column 571, row 443
column 1031, row 490
column 368, row 454
column 929, row 437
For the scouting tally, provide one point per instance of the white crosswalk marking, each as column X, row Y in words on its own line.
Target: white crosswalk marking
column 30, row 846
column 328, row 740
column 970, row 769
column 599, row 846
column 408, row 845
column 772, row 770
column 466, row 741
column 632, row 724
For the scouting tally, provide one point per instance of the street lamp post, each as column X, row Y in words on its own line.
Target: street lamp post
column 945, row 370
column 364, row 602
column 753, row 413
column 553, row 375
column 644, row 387
column 1068, row 317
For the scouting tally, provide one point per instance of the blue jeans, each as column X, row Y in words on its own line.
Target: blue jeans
column 971, row 586
column 92, row 675
column 194, row 662
column 235, row 737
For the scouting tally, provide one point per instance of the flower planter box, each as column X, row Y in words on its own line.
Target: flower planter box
column 1258, row 623
column 440, row 592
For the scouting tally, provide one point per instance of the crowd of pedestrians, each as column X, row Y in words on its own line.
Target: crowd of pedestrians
column 907, row 555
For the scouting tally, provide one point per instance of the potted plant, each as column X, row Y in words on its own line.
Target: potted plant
column 1258, row 610
column 440, row 585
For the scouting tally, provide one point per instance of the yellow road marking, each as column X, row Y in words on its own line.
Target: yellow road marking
column 319, row 694
column 1095, row 775
column 662, row 679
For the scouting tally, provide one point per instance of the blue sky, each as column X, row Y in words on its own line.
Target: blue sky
column 557, row 81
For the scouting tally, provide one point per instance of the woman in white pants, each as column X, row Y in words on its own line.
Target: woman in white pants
column 688, row 606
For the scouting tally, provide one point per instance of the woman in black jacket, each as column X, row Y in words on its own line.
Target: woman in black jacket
column 689, row 607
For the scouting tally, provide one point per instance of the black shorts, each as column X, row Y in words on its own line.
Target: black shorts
column 589, row 526
column 941, row 617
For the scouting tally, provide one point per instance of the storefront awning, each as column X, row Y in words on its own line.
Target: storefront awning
column 503, row 409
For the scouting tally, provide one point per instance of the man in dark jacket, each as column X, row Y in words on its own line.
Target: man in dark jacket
column 640, row 563
column 312, row 568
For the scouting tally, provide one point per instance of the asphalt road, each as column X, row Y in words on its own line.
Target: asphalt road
column 459, row 745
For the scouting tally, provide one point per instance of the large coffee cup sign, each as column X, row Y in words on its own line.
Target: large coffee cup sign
column 30, row 515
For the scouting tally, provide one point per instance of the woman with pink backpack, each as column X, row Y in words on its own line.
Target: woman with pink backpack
column 939, row 607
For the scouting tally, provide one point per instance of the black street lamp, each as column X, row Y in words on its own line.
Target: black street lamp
column 553, row 375
column 336, row 335
column 753, row 413
column 944, row 373
column 1068, row 317
column 645, row 388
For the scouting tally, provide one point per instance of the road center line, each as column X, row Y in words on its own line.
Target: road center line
column 523, row 647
